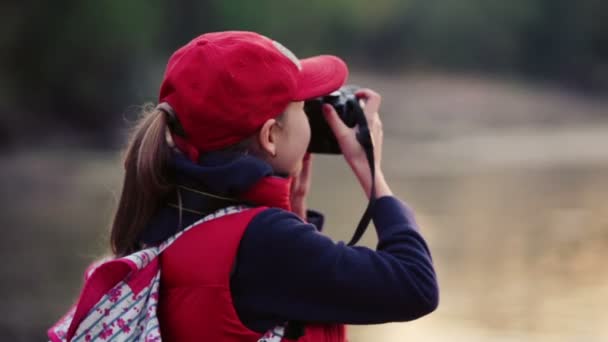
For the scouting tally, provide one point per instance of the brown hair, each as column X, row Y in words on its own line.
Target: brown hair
column 148, row 180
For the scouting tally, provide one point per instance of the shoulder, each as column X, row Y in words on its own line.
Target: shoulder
column 274, row 221
column 279, row 232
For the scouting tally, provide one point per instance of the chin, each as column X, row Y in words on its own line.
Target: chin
column 287, row 172
column 288, row 168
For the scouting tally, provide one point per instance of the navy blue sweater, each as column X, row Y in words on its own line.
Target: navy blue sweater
column 287, row 270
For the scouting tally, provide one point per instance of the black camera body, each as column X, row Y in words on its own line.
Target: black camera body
column 347, row 106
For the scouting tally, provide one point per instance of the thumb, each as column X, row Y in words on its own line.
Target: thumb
column 333, row 120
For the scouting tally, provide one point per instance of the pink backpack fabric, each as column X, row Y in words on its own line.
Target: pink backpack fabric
column 120, row 296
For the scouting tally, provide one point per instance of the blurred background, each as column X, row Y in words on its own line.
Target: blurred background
column 496, row 133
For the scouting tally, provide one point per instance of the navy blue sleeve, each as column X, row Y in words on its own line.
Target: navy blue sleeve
column 287, row 270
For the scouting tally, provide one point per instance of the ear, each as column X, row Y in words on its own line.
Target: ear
column 267, row 137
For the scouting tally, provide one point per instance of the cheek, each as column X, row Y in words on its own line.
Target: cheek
column 299, row 138
column 306, row 132
column 303, row 135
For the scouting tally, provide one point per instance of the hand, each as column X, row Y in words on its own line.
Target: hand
column 300, row 187
column 353, row 151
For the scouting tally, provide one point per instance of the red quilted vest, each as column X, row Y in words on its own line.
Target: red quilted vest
column 195, row 301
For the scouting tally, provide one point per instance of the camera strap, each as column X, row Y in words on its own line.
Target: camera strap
column 364, row 138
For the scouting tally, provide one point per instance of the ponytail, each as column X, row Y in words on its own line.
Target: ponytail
column 146, row 182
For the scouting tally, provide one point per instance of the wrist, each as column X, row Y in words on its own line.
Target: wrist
column 298, row 206
column 382, row 188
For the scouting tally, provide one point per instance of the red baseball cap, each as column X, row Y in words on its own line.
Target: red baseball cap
column 223, row 86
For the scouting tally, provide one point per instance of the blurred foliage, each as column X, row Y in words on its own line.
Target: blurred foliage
column 74, row 66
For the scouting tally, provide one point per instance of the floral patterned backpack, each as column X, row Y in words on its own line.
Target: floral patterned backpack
column 120, row 296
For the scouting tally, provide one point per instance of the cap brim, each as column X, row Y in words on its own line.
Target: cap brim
column 320, row 75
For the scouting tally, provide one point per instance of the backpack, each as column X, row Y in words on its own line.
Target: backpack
column 119, row 298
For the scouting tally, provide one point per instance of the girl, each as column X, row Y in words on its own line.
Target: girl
column 229, row 130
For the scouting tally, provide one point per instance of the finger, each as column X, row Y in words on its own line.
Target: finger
column 372, row 100
column 304, row 180
column 333, row 120
column 301, row 179
column 295, row 184
column 367, row 94
column 307, row 157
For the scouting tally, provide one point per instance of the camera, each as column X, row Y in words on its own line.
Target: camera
column 323, row 140
column 347, row 106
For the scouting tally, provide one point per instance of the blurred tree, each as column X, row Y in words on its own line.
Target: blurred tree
column 75, row 66
column 568, row 41
column 69, row 63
